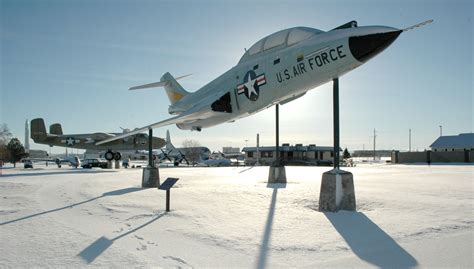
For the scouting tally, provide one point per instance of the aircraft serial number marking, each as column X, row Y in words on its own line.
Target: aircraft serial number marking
column 313, row 62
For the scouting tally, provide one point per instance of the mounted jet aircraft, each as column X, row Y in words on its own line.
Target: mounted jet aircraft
column 88, row 141
column 277, row 69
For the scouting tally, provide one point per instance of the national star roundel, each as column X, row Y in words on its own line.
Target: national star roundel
column 251, row 85
column 70, row 141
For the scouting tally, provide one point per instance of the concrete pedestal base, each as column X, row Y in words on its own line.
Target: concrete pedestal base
column 337, row 191
column 117, row 164
column 277, row 174
column 109, row 164
column 151, row 177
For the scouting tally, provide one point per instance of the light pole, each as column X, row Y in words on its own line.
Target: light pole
column 375, row 136
column 409, row 139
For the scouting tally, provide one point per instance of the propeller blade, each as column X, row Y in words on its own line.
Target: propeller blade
column 165, row 155
column 187, row 162
column 183, row 157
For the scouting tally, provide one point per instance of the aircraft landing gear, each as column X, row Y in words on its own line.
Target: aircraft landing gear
column 110, row 156
column 117, row 156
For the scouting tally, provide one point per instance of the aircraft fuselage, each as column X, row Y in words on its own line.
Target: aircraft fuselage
column 282, row 75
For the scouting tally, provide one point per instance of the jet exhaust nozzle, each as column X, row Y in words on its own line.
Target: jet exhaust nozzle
column 367, row 46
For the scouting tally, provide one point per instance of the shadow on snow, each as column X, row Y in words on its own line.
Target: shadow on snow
column 90, row 253
column 263, row 253
column 110, row 193
column 369, row 242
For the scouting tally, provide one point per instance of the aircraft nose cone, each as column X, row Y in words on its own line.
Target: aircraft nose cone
column 367, row 46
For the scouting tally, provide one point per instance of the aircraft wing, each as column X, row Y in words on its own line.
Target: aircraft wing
column 100, row 136
column 184, row 117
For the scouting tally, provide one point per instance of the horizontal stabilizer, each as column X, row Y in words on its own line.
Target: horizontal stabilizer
column 156, row 84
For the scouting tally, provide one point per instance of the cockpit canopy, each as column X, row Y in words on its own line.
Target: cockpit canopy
column 280, row 39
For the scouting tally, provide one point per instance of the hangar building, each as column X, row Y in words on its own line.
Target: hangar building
column 459, row 142
column 445, row 149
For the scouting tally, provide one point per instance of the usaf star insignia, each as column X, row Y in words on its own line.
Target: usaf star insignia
column 251, row 85
column 70, row 141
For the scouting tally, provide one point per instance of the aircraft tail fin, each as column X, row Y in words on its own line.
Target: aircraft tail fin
column 56, row 129
column 38, row 130
column 169, row 146
column 173, row 89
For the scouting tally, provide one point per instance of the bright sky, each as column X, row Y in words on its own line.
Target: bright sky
column 73, row 61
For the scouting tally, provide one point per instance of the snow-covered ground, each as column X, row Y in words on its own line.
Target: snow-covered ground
column 407, row 216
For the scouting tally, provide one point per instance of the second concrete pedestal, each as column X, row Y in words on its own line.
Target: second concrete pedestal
column 337, row 191
column 277, row 174
column 151, row 177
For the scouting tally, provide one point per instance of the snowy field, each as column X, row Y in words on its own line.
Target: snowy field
column 407, row 216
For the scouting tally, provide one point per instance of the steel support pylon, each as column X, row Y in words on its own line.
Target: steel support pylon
column 277, row 173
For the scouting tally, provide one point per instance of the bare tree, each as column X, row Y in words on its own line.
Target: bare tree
column 192, row 151
column 5, row 134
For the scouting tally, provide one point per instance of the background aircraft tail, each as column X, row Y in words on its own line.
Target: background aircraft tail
column 38, row 130
column 173, row 89
column 169, row 146
column 56, row 129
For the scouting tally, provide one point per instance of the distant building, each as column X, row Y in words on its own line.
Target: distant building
column 36, row 153
column 370, row 153
column 459, row 142
column 297, row 154
column 445, row 149
column 230, row 150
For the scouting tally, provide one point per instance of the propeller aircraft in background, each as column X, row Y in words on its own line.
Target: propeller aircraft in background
column 88, row 141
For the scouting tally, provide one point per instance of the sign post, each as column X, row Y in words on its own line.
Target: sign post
column 167, row 185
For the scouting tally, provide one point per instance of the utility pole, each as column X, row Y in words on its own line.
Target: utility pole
column 375, row 136
column 258, row 149
column 27, row 137
column 409, row 140
column 441, row 130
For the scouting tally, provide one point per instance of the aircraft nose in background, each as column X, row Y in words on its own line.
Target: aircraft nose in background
column 367, row 46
